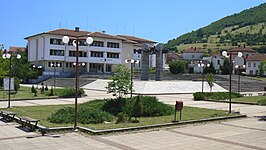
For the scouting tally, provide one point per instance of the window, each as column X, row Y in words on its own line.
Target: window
column 97, row 44
column 55, row 52
column 249, row 64
column 112, row 55
column 192, row 56
column 54, row 41
column 254, row 65
column 73, row 54
column 251, row 72
column 108, row 68
column 96, row 54
column 218, row 62
column 112, row 45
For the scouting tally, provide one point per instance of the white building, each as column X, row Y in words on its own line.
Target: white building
column 252, row 64
column 102, row 56
column 193, row 54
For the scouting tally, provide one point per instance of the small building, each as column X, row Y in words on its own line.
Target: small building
column 253, row 62
column 193, row 53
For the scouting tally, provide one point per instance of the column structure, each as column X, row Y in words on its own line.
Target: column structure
column 145, row 65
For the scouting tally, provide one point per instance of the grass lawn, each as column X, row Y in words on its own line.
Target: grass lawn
column 259, row 78
column 252, row 99
column 42, row 112
column 25, row 92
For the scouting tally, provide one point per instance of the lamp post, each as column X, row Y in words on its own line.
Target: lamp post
column 202, row 65
column 10, row 56
column 229, row 55
column 239, row 67
column 75, row 42
column 55, row 65
column 37, row 67
column 131, row 61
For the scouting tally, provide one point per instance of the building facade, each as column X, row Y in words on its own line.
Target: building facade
column 102, row 56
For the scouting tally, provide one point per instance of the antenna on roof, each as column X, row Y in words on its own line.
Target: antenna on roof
column 66, row 24
column 133, row 29
column 125, row 30
column 87, row 23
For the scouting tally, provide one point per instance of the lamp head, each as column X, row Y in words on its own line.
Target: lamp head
column 224, row 53
column 18, row 56
column 65, row 39
column 89, row 40
column 239, row 54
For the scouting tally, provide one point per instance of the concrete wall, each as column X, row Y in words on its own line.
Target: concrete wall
column 192, row 56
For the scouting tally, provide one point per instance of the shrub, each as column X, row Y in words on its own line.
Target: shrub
column 114, row 106
column 93, row 116
column 121, row 118
column 16, row 84
column 46, row 88
column 51, row 92
column 64, row 115
column 137, row 110
column 42, row 90
column 95, row 104
column 70, row 92
column 262, row 102
column 177, row 67
column 32, row 89
column 199, row 96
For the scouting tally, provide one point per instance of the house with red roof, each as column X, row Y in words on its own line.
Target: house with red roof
column 252, row 64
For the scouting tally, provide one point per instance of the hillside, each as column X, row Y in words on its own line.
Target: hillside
column 246, row 27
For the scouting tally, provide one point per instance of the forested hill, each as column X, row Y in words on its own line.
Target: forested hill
column 225, row 26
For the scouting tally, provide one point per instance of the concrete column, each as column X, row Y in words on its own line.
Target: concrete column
column 159, row 65
column 145, row 66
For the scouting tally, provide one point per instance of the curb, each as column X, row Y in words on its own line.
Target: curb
column 247, row 103
column 24, row 99
column 45, row 130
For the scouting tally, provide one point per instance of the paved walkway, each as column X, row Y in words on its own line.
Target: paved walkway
column 242, row 134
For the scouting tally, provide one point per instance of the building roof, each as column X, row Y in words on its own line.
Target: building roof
column 133, row 38
column 73, row 33
column 194, row 50
column 242, row 49
column 256, row 57
column 16, row 49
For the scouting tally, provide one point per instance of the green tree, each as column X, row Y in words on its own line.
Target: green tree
column 137, row 110
column 210, row 69
column 177, row 67
column 225, row 67
column 120, row 84
column 262, row 67
column 210, row 80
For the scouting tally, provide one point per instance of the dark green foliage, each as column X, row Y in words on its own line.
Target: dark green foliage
column 46, row 88
column 177, row 67
column 16, row 84
column 245, row 18
column 209, row 69
column 42, row 89
column 137, row 110
column 93, row 116
column 215, row 95
column 64, row 115
column 71, row 92
column 262, row 102
column 114, row 106
column 225, row 67
column 32, row 89
column 51, row 92
column 121, row 117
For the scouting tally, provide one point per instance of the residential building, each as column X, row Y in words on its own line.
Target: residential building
column 15, row 49
column 102, row 56
column 253, row 62
column 193, row 53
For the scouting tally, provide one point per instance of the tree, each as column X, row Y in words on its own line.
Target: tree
column 210, row 80
column 262, row 67
column 225, row 67
column 137, row 110
column 210, row 69
column 177, row 67
column 121, row 83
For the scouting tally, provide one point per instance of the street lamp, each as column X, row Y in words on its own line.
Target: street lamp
column 229, row 55
column 10, row 56
column 55, row 65
column 75, row 43
column 37, row 67
column 239, row 67
column 131, row 61
column 202, row 65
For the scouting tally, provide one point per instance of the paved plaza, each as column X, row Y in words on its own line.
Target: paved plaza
column 242, row 134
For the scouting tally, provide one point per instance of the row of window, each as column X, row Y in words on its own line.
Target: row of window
column 82, row 42
column 254, row 65
column 54, row 52
column 73, row 65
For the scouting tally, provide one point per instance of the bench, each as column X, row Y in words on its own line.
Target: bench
column 260, row 94
column 7, row 115
column 250, row 94
column 29, row 122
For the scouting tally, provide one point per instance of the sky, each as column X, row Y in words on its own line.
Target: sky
column 157, row 20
